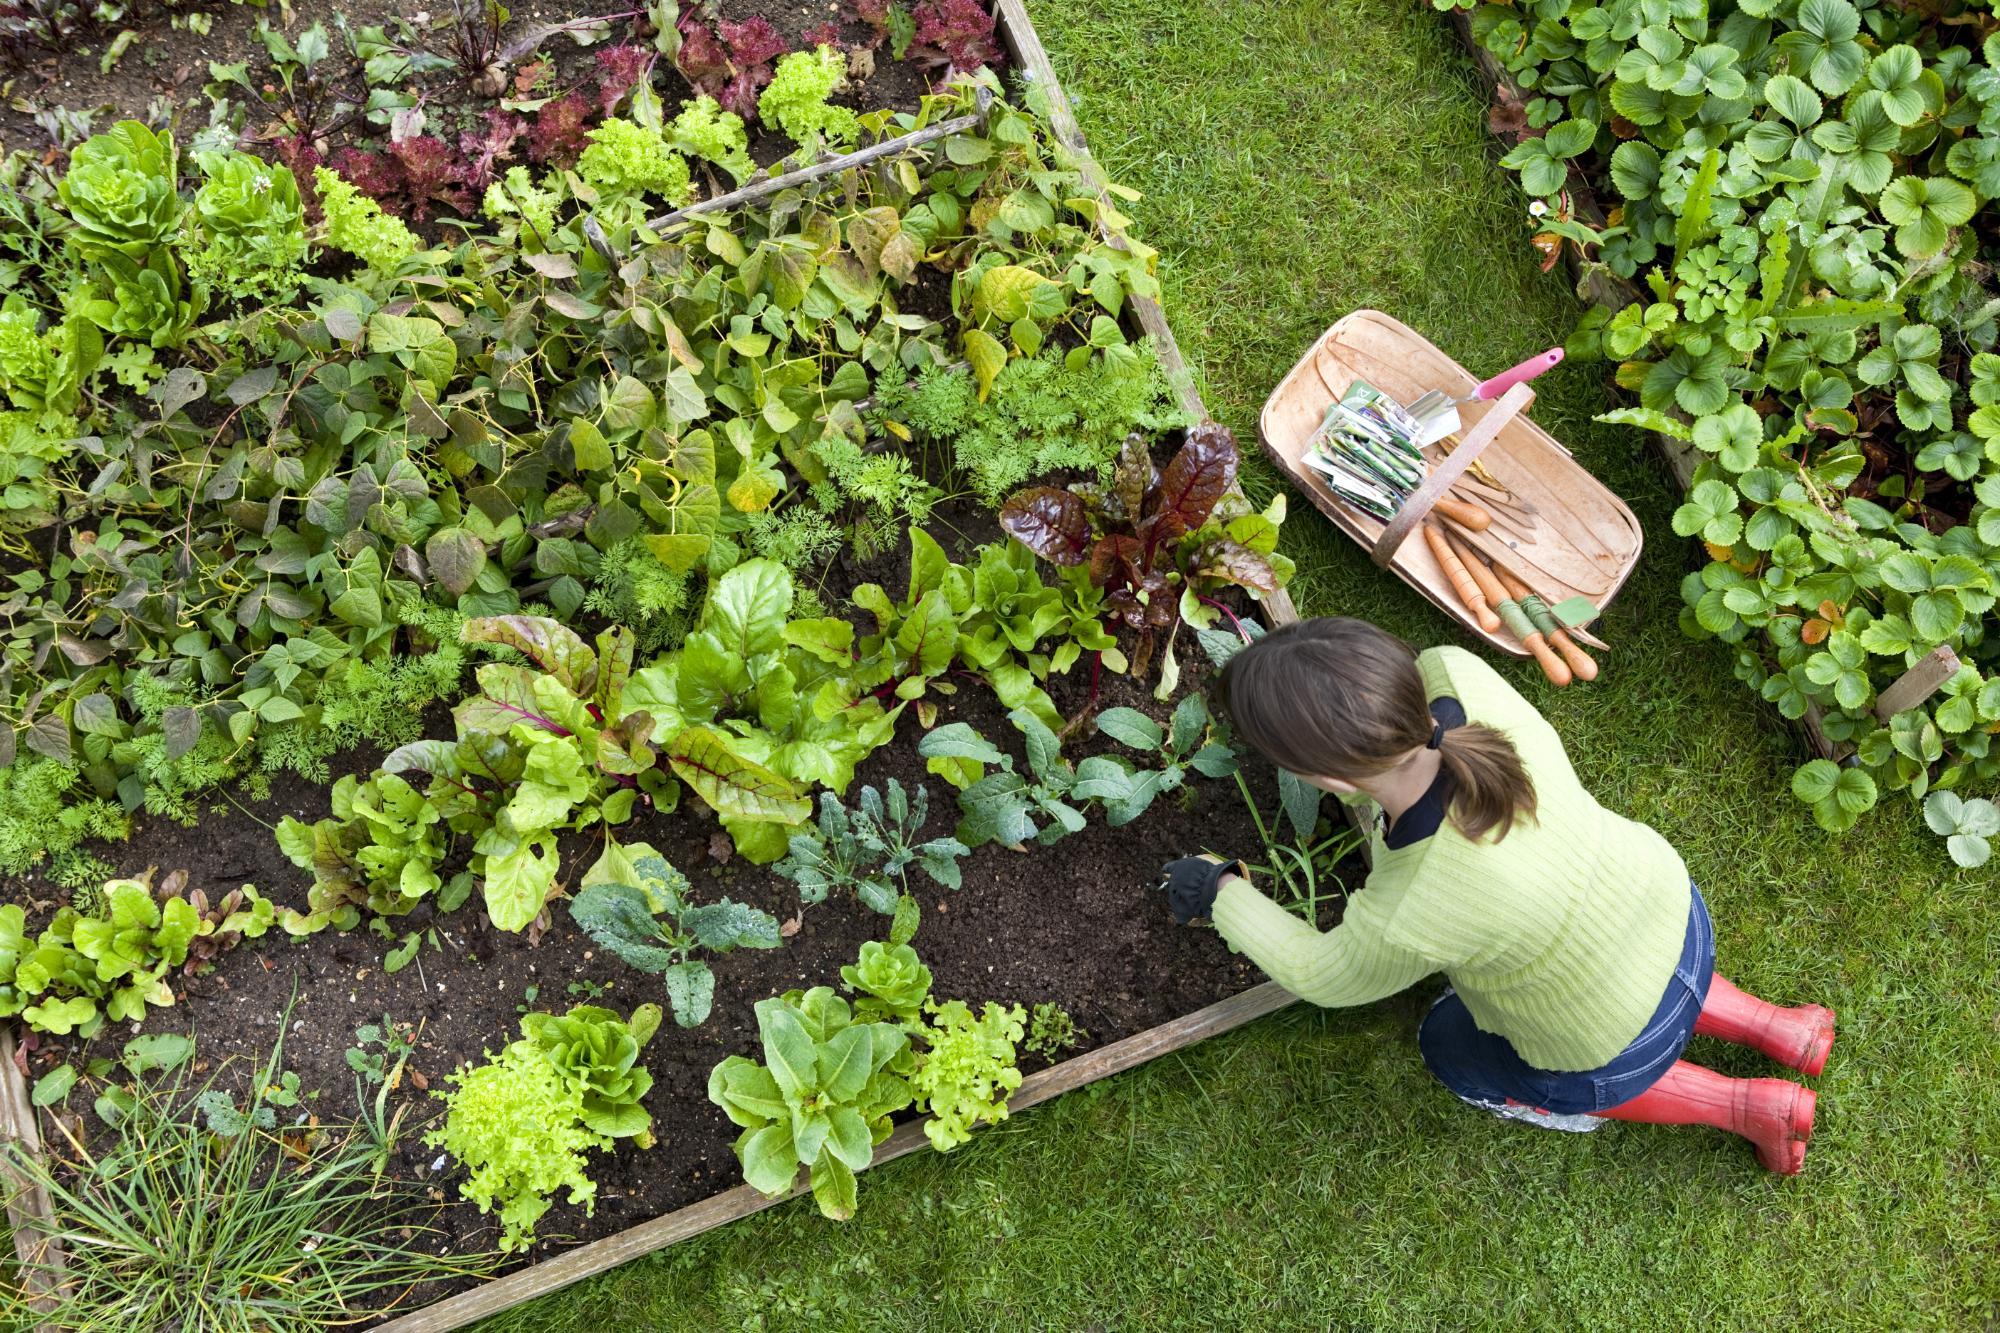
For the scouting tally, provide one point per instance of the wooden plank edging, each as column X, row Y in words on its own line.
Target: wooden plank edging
column 585, row 1261
column 30, row 1216
column 1598, row 285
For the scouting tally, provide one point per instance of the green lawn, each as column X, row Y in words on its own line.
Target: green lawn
column 1301, row 159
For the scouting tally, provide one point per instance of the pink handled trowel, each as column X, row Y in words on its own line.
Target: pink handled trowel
column 1437, row 415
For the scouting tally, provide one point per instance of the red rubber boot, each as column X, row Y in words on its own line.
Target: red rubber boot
column 1776, row 1116
column 1800, row 1036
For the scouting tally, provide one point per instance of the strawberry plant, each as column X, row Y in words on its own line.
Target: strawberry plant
column 1966, row 826
column 1815, row 315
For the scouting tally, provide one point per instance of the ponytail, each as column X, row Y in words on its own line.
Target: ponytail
column 1338, row 698
column 1492, row 786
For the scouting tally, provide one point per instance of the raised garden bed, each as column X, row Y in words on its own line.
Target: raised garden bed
column 1090, row 938
column 1575, row 213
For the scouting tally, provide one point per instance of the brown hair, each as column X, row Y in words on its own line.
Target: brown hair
column 1338, row 698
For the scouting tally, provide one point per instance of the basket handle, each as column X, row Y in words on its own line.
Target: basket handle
column 1511, row 404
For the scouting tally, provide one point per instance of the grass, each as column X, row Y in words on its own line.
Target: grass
column 1302, row 159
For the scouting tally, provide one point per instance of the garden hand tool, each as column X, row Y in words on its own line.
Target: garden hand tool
column 1512, row 615
column 1461, row 580
column 1537, row 611
column 1436, row 414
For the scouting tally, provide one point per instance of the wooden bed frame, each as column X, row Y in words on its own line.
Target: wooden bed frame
column 28, row 1212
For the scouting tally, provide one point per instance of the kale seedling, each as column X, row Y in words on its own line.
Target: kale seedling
column 871, row 850
column 641, row 912
column 1003, row 807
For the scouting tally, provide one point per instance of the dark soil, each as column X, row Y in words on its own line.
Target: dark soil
column 1080, row 924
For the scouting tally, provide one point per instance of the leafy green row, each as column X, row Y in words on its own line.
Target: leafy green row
column 752, row 712
column 108, row 957
column 267, row 480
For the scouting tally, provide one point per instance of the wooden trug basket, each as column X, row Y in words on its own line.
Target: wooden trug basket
column 1581, row 540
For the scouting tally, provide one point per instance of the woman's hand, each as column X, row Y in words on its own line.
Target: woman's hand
column 1192, row 882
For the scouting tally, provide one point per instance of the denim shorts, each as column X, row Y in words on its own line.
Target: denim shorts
column 1483, row 1066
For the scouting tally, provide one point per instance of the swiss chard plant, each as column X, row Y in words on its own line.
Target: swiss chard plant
column 757, row 708
column 541, row 750
column 871, row 850
column 821, row 1099
column 1147, row 539
column 637, row 906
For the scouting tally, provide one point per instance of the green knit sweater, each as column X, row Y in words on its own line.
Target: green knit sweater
column 1561, row 937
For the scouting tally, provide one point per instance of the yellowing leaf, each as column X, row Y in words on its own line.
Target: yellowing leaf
column 755, row 489
column 987, row 355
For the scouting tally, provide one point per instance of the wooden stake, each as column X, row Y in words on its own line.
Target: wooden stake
column 902, row 143
column 30, row 1216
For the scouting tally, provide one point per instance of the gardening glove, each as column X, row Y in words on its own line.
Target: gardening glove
column 1192, row 882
